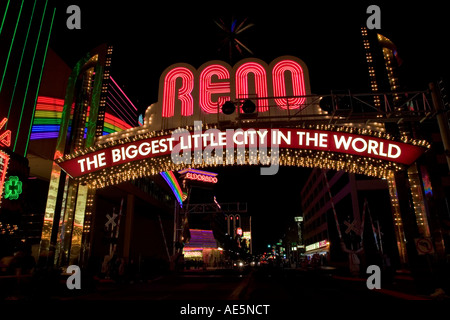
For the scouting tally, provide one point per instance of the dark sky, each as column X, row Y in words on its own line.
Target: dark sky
column 147, row 39
column 150, row 36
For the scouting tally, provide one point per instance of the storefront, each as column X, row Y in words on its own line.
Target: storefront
column 202, row 249
column 318, row 252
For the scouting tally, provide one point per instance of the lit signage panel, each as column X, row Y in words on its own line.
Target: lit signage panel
column 186, row 93
column 336, row 142
column 199, row 175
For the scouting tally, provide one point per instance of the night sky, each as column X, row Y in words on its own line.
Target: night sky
column 150, row 36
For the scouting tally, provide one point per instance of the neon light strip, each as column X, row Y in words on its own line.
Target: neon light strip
column 29, row 78
column 206, row 173
column 173, row 184
column 4, row 16
column 123, row 93
column 126, row 108
column 208, row 88
column 184, row 93
column 4, row 160
column 118, row 109
column 47, row 119
column 21, row 60
column 279, row 86
column 260, row 83
column 51, row 114
column 10, row 47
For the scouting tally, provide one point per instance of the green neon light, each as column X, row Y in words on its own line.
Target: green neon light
column 10, row 47
column 39, row 83
column 29, row 77
column 4, row 16
column 13, row 188
column 21, row 59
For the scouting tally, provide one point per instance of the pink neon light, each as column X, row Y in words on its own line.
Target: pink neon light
column 118, row 108
column 184, row 93
column 209, row 88
column 260, row 83
column 279, row 84
column 201, row 177
column 4, row 168
column 122, row 92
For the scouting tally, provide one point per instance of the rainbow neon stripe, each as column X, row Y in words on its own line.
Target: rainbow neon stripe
column 47, row 120
column 173, row 184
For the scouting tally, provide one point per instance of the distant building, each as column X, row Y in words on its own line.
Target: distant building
column 349, row 193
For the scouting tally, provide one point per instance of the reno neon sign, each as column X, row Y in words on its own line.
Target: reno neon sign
column 187, row 93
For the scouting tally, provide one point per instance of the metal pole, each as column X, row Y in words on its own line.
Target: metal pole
column 442, row 121
column 174, row 226
column 251, row 236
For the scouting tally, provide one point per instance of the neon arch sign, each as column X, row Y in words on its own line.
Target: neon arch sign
column 188, row 95
column 199, row 93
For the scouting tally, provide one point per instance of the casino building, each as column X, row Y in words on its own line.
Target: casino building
column 338, row 202
column 118, row 215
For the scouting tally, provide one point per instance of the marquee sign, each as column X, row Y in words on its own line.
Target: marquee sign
column 342, row 144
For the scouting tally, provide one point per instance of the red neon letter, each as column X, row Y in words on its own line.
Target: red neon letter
column 260, row 83
column 279, row 85
column 184, row 93
column 208, row 88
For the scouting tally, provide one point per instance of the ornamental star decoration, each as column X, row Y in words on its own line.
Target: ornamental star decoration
column 232, row 31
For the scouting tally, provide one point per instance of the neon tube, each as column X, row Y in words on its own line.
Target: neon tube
column 123, row 92
column 173, row 184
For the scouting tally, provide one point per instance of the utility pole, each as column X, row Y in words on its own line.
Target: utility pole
column 442, row 119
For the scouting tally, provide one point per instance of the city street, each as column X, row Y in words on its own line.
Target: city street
column 250, row 285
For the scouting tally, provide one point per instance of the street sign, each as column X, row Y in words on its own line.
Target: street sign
column 111, row 221
column 352, row 227
column 424, row 246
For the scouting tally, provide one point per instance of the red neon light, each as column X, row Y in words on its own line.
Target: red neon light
column 50, row 101
column 4, row 160
column 260, row 81
column 306, row 139
column 279, row 84
column 208, row 88
column 200, row 177
column 5, row 137
column 184, row 93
